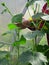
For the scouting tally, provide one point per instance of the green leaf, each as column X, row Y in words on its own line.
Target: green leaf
column 47, row 2
column 22, row 40
column 19, row 42
column 15, row 43
column 3, row 4
column 1, row 45
column 4, row 61
column 5, row 10
column 25, row 57
column 29, row 2
column 40, row 48
column 44, row 49
column 43, row 40
column 17, row 18
column 3, row 54
column 31, row 35
column 35, row 58
column 4, row 34
column 8, row 32
column 47, row 24
column 46, row 27
column 12, row 26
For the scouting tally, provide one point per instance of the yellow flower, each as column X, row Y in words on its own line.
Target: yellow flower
column 30, row 19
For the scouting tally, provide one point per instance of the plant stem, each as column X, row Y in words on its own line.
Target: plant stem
column 18, row 48
column 8, row 10
column 34, row 47
column 35, row 42
column 18, row 52
column 46, row 51
column 48, row 38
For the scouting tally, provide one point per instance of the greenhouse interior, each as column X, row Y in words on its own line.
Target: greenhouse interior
column 24, row 32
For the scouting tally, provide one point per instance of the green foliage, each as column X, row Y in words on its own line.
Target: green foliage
column 47, row 24
column 1, row 45
column 43, row 41
column 35, row 58
column 46, row 27
column 4, row 61
column 4, row 11
column 44, row 49
column 29, row 2
column 3, row 4
column 3, row 54
column 31, row 35
column 22, row 40
column 27, row 5
column 17, row 18
column 19, row 42
column 4, row 34
column 8, row 32
column 47, row 2
column 12, row 26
